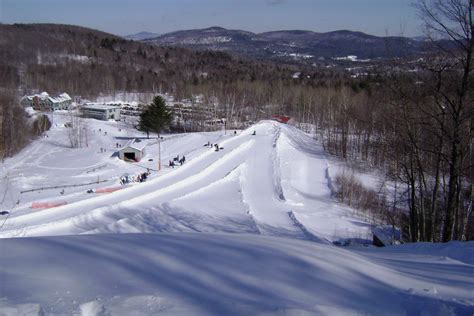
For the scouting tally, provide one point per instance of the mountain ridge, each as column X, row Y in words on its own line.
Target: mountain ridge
column 285, row 43
column 141, row 36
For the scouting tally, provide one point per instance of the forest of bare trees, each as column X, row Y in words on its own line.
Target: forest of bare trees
column 418, row 128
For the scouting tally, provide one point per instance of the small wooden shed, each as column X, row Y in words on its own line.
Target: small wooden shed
column 386, row 235
column 281, row 118
column 134, row 150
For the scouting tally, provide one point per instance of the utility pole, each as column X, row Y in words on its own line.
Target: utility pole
column 85, row 131
column 159, row 153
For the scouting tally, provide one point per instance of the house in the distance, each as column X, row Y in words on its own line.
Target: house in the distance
column 44, row 102
column 134, row 150
column 36, row 101
column 101, row 111
column 61, row 101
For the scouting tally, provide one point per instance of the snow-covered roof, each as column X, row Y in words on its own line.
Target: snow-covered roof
column 44, row 95
column 62, row 97
column 99, row 107
column 122, row 103
column 135, row 144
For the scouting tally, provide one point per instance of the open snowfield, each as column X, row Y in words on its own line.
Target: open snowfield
column 245, row 230
column 273, row 183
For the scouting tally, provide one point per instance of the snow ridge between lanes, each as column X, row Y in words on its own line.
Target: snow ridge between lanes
column 150, row 193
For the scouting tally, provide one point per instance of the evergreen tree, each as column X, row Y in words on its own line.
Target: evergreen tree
column 155, row 117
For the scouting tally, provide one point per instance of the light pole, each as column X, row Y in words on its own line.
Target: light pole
column 159, row 153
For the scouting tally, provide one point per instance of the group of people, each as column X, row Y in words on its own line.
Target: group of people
column 141, row 177
column 215, row 146
column 176, row 160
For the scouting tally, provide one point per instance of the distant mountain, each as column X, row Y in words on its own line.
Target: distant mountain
column 210, row 36
column 141, row 36
column 294, row 44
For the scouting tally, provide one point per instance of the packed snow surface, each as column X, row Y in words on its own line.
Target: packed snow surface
column 246, row 230
column 272, row 183
column 231, row 274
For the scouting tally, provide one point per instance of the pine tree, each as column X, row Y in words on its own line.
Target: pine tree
column 155, row 117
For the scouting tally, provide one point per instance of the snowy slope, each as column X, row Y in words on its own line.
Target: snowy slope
column 271, row 183
column 229, row 274
column 243, row 230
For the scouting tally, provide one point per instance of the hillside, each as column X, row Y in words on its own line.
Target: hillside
column 274, row 183
column 244, row 230
column 293, row 44
column 86, row 62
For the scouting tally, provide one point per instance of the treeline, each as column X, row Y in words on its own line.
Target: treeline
column 16, row 128
column 86, row 62
column 417, row 127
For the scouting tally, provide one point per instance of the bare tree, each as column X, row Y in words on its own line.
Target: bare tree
column 452, row 71
column 77, row 131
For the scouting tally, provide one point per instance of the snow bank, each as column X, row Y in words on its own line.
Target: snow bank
column 223, row 274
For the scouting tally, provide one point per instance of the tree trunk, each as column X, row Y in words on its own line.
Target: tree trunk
column 452, row 191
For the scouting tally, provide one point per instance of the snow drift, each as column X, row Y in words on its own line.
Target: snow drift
column 229, row 274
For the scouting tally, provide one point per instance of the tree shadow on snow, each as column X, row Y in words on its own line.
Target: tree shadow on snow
column 216, row 274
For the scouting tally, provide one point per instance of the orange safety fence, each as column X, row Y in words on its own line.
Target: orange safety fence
column 108, row 190
column 47, row 204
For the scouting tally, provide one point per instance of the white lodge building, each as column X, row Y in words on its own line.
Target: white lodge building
column 101, row 112
column 45, row 102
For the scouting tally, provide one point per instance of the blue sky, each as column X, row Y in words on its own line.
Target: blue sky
column 378, row 17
